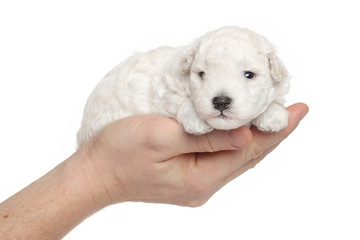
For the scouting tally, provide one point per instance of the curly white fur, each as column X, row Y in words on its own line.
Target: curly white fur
column 183, row 83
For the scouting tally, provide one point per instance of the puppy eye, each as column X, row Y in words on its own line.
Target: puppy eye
column 249, row 75
column 202, row 75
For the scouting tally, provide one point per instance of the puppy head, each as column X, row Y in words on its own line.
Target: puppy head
column 234, row 76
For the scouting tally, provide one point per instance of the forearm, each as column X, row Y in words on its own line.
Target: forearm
column 53, row 205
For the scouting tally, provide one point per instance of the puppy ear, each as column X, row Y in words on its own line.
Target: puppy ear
column 188, row 59
column 278, row 71
column 189, row 55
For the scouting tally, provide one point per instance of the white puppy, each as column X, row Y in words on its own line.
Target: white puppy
column 228, row 78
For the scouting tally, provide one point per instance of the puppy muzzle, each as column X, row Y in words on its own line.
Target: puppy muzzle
column 221, row 103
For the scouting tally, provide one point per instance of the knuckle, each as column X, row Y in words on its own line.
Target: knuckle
column 254, row 162
column 195, row 203
column 257, row 149
column 204, row 143
column 198, row 186
column 154, row 133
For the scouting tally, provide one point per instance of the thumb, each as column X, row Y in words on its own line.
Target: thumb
column 217, row 140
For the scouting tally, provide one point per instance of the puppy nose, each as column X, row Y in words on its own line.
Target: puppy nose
column 221, row 103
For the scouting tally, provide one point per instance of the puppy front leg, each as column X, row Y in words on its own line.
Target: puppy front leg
column 274, row 119
column 190, row 120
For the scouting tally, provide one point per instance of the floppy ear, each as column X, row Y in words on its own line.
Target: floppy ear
column 188, row 58
column 278, row 71
column 189, row 55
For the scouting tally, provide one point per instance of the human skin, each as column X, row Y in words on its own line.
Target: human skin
column 141, row 158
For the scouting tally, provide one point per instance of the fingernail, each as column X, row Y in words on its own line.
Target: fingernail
column 237, row 139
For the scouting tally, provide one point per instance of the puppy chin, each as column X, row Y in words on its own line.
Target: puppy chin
column 224, row 123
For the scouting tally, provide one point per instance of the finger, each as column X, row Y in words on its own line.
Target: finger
column 262, row 140
column 224, row 163
column 245, row 167
column 248, row 165
column 239, row 138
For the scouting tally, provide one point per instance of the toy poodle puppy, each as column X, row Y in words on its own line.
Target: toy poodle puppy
column 225, row 79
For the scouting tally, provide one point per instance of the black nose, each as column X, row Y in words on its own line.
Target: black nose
column 221, row 103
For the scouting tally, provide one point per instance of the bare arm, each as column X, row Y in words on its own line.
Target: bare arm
column 141, row 158
column 54, row 204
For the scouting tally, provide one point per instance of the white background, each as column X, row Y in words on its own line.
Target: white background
column 53, row 53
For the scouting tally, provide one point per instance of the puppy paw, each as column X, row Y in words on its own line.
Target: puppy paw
column 197, row 127
column 274, row 119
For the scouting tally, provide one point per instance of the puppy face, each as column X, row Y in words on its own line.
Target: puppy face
column 231, row 79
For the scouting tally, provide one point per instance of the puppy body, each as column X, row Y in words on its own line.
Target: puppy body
column 203, row 85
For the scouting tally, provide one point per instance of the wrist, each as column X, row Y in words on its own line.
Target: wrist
column 82, row 178
column 96, row 176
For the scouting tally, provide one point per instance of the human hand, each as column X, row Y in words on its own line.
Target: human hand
column 140, row 158
column 151, row 159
